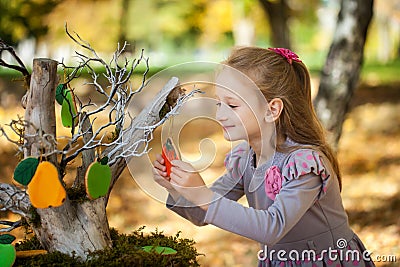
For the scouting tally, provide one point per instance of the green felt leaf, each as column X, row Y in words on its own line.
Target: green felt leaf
column 25, row 170
column 7, row 255
column 60, row 93
column 68, row 110
column 98, row 179
column 160, row 250
column 104, row 160
column 6, row 239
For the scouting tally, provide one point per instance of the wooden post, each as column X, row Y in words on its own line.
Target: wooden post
column 40, row 110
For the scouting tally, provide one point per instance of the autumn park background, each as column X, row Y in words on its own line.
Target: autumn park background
column 174, row 32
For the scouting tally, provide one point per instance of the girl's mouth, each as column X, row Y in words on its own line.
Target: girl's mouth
column 228, row 127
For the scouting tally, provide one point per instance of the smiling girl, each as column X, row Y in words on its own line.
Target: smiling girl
column 284, row 167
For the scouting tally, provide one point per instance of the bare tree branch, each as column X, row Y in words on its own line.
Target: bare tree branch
column 127, row 149
column 12, row 225
column 14, row 200
column 20, row 67
column 45, row 141
column 117, row 96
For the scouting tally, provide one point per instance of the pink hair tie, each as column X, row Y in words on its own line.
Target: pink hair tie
column 286, row 53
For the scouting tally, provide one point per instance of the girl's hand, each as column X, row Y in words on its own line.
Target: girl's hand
column 160, row 174
column 188, row 182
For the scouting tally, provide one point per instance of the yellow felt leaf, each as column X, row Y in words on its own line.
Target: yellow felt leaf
column 45, row 189
column 30, row 253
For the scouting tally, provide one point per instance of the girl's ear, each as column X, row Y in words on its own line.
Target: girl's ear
column 274, row 110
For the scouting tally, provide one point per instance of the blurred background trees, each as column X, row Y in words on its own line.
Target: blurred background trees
column 197, row 29
column 179, row 31
column 24, row 19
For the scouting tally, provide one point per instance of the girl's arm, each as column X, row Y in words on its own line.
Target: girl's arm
column 225, row 186
column 230, row 185
column 266, row 226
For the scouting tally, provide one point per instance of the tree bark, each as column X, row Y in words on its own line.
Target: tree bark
column 277, row 14
column 341, row 71
column 39, row 110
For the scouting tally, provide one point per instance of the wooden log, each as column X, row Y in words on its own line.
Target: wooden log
column 40, row 106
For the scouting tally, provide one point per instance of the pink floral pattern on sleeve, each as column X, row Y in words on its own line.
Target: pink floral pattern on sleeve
column 273, row 182
column 235, row 161
column 305, row 161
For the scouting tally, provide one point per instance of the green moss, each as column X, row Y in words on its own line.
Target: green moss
column 77, row 194
column 28, row 244
column 35, row 217
column 126, row 251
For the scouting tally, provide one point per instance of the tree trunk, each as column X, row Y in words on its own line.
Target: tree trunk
column 341, row 71
column 75, row 228
column 123, row 26
column 277, row 14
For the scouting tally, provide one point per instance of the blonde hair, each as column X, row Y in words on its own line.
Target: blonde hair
column 277, row 78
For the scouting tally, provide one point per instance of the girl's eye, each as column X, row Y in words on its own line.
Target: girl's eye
column 219, row 104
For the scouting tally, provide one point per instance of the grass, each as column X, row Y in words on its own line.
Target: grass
column 371, row 72
column 374, row 73
column 379, row 73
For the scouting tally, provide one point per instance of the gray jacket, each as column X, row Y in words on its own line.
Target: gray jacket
column 306, row 214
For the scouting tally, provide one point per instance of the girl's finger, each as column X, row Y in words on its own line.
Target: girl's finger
column 164, row 182
column 178, row 172
column 179, row 163
column 159, row 172
column 159, row 166
column 160, row 158
column 184, row 166
column 161, row 180
column 175, row 179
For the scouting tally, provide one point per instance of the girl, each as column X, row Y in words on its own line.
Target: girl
column 286, row 169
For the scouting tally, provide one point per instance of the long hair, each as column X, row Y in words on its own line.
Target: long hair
column 277, row 78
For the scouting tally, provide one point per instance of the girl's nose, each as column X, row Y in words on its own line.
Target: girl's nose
column 220, row 114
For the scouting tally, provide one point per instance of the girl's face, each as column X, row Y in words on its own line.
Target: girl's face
column 240, row 108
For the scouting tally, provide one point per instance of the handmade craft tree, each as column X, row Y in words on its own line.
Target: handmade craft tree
column 73, row 220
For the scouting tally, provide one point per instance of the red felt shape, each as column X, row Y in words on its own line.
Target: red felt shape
column 169, row 153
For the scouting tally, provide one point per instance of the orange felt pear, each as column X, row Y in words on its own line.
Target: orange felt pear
column 45, row 189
